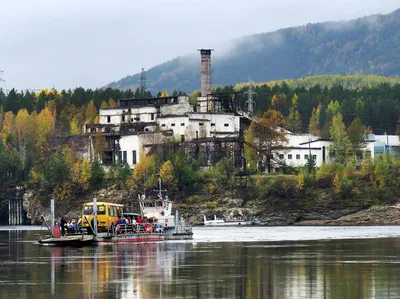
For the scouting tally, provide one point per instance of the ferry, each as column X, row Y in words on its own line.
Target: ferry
column 101, row 224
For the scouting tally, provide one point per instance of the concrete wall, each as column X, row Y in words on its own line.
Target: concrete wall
column 129, row 144
column 181, row 108
column 142, row 114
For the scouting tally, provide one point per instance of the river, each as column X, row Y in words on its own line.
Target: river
column 229, row 262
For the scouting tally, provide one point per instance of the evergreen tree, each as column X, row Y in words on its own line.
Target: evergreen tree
column 96, row 174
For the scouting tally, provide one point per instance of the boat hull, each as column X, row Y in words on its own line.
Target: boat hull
column 179, row 236
column 76, row 240
column 84, row 240
column 130, row 238
column 228, row 223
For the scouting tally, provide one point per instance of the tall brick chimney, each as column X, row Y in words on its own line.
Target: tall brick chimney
column 205, row 72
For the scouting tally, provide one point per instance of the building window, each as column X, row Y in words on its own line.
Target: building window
column 92, row 130
column 172, row 125
column 212, row 124
column 289, row 156
column 281, row 156
column 134, row 161
column 277, row 169
column 226, row 125
column 152, row 116
column 182, row 138
column 297, row 157
column 306, row 157
column 314, row 157
column 146, row 130
column 108, row 119
column 162, row 125
column 125, row 157
column 119, row 156
column 182, row 124
column 132, row 120
column 123, row 118
column 200, row 124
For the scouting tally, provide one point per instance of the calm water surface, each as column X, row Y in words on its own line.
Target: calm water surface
column 244, row 262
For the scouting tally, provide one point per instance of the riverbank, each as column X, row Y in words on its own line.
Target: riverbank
column 378, row 215
column 281, row 203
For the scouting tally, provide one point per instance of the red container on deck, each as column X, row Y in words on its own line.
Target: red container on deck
column 56, row 231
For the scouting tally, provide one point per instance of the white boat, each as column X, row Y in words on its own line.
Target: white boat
column 226, row 222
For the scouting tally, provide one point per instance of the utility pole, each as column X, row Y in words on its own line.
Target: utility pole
column 250, row 92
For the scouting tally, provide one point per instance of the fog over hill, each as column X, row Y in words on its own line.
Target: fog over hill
column 368, row 45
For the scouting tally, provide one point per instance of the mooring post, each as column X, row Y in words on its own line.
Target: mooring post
column 52, row 215
column 9, row 212
column 95, row 215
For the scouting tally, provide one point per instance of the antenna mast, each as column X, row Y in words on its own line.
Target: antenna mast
column 250, row 92
column 143, row 80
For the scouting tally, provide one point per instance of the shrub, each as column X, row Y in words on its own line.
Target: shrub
column 283, row 188
column 300, row 181
column 326, row 173
column 211, row 204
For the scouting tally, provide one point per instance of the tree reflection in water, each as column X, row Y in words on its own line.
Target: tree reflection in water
column 365, row 268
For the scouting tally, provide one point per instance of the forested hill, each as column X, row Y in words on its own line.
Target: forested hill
column 368, row 45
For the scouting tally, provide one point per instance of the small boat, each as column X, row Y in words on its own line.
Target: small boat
column 226, row 221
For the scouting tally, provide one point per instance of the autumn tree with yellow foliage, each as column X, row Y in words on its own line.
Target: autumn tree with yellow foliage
column 45, row 128
column 144, row 176
column 267, row 135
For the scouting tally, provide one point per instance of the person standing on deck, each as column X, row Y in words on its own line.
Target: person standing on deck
column 63, row 224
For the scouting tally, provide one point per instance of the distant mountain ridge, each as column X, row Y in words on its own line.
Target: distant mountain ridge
column 367, row 45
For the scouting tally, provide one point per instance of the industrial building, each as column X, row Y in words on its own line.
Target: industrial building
column 209, row 130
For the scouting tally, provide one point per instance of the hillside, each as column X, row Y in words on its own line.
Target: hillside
column 368, row 45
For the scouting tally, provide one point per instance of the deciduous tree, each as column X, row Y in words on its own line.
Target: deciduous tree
column 356, row 132
column 340, row 141
column 268, row 135
column 167, row 175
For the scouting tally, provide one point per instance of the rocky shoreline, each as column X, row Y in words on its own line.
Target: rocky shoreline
column 328, row 213
column 378, row 215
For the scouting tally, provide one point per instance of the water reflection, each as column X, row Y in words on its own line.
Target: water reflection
column 367, row 268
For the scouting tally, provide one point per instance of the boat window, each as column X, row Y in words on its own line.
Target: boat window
column 101, row 210
column 119, row 212
column 113, row 212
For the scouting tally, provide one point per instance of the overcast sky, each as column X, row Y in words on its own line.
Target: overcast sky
column 89, row 43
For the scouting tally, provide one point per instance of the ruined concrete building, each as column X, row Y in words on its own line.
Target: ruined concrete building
column 137, row 126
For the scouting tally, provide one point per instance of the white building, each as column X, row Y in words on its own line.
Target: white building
column 300, row 146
